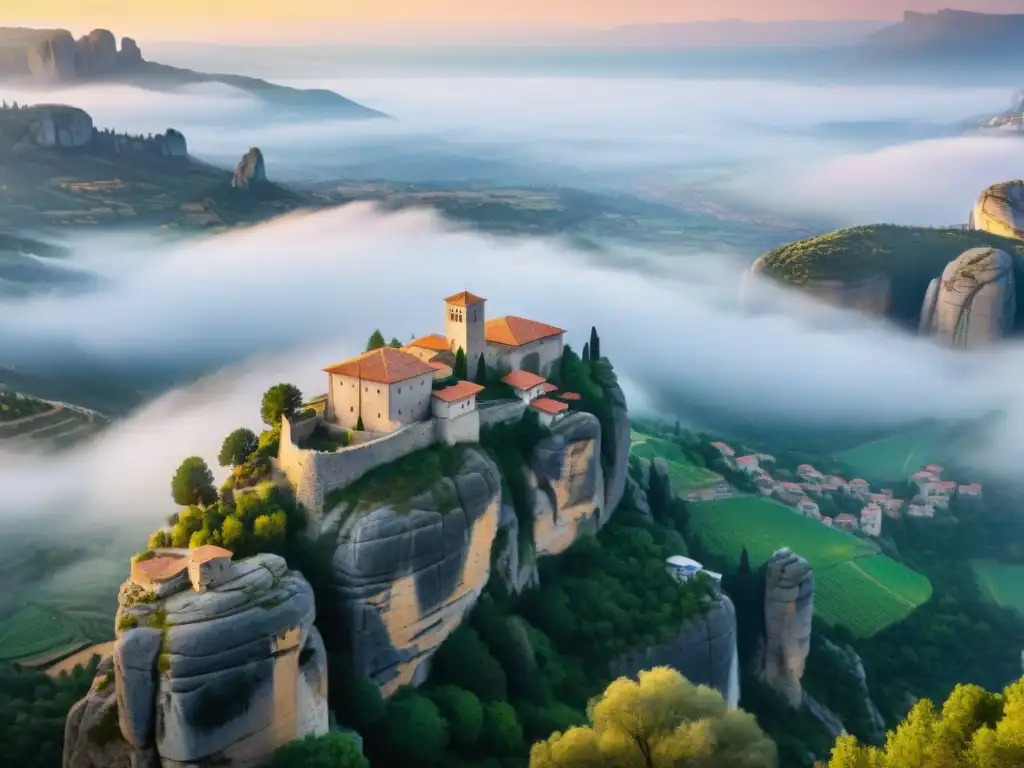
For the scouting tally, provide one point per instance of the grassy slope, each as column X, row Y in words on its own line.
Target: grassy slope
column 1001, row 582
column 684, row 475
column 855, row 586
column 909, row 256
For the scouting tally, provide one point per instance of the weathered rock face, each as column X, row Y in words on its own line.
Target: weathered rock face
column 218, row 678
column 974, row 302
column 568, row 484
column 616, row 445
column 130, row 53
column 405, row 578
column 1000, row 210
column 513, row 564
column 250, row 170
column 703, row 651
column 788, row 609
column 95, row 53
column 53, row 59
column 60, row 126
column 173, row 144
column 853, row 663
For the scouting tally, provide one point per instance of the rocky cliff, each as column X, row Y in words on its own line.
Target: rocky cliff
column 999, row 210
column 55, row 125
column 974, row 302
column 704, row 652
column 871, row 293
column 788, row 609
column 250, row 170
column 614, row 446
column 57, row 57
column 201, row 679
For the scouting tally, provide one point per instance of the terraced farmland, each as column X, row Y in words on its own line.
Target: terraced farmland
column 1002, row 583
column 37, row 425
column 856, row 587
column 34, row 634
column 899, row 455
column 684, row 475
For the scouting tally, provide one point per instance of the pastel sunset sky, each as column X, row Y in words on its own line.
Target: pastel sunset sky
column 238, row 20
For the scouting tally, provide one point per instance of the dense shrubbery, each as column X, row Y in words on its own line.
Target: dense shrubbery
column 14, row 405
column 33, row 708
column 334, row 750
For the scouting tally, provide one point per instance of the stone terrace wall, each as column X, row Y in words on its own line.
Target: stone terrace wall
column 498, row 411
column 314, row 474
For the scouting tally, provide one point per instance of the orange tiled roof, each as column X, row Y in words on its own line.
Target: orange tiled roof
column 208, row 552
column 458, row 391
column 161, row 567
column 523, row 380
column 548, row 405
column 511, row 331
column 571, row 396
column 464, row 299
column 434, row 341
column 437, row 365
column 547, row 386
column 385, row 365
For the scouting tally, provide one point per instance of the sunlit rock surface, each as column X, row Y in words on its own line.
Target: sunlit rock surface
column 218, row 678
column 1000, row 210
column 788, row 609
column 974, row 302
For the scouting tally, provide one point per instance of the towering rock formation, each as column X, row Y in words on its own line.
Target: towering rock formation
column 57, row 125
column 974, row 302
column 57, row 57
column 1000, row 210
column 250, row 170
column 218, row 677
column 95, row 53
column 788, row 609
column 130, row 54
column 52, row 59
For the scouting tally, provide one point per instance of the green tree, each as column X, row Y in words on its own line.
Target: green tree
column 280, row 400
column 237, row 448
column 502, row 734
column 232, row 533
column 416, row 732
column 463, row 712
column 333, row 750
column 359, row 424
column 595, row 344
column 160, row 539
column 586, row 352
column 376, row 341
column 464, row 660
column 461, row 369
column 395, row 343
column 660, row 720
column 481, row 372
column 271, row 528
column 193, row 483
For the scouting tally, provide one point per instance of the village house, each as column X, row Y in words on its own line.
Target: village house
column 970, row 491
column 454, row 401
column 858, row 489
column 833, row 483
column 812, row 488
column 726, row 451
column 892, row 508
column 386, row 389
column 808, row 508
column 920, row 507
column 527, row 386
column 204, row 567
column 548, row 410
column 871, row 520
column 765, row 486
column 747, row 464
column 826, row 521
column 808, row 472
column 765, row 458
column 845, row 521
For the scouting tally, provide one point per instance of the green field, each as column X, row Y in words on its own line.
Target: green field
column 855, row 587
column 1001, row 582
column 684, row 475
column 900, row 455
column 34, row 631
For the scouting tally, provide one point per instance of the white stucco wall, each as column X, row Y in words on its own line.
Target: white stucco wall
column 505, row 359
column 461, row 428
column 443, row 410
column 409, row 400
column 464, row 327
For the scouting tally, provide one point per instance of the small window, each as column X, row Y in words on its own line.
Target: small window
column 399, row 411
column 378, row 390
column 399, row 390
column 378, row 415
column 352, row 409
column 366, row 389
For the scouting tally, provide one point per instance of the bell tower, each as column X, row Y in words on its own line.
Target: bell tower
column 464, row 327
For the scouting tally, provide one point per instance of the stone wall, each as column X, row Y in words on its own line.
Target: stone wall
column 314, row 474
column 461, row 429
column 498, row 411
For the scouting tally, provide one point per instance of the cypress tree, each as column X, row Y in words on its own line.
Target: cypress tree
column 586, row 352
column 461, row 369
column 595, row 344
column 481, row 372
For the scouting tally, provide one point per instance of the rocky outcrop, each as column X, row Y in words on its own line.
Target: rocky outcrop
column 95, row 53
column 130, row 53
column 788, row 609
column 173, row 144
column 703, row 651
column 615, row 445
column 871, row 294
column 514, row 564
column 1000, row 210
column 568, row 484
column 250, row 170
column 57, row 125
column 57, row 57
column 406, row 574
column 215, row 678
column 855, row 666
column 974, row 302
column 52, row 59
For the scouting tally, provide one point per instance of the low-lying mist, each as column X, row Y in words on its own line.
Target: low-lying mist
column 760, row 142
column 281, row 300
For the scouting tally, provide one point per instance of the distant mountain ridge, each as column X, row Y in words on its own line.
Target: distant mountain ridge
column 952, row 31
column 44, row 57
column 737, row 32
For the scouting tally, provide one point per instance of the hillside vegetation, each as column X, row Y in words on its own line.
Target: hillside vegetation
column 909, row 256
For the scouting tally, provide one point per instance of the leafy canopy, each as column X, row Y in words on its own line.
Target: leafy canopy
column 237, row 448
column 192, row 484
column 280, row 400
column 660, row 720
column 333, row 750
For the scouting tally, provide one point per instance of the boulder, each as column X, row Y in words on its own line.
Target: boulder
column 95, row 53
column 250, row 170
column 788, row 609
column 405, row 575
column 52, row 59
column 130, row 53
column 703, row 651
column 974, row 302
column 220, row 677
column 57, row 125
column 1000, row 210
